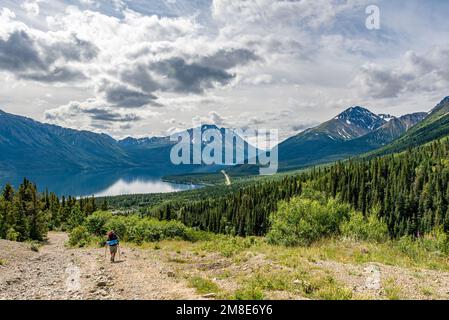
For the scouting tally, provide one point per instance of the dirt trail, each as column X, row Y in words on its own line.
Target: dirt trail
column 59, row 273
column 227, row 178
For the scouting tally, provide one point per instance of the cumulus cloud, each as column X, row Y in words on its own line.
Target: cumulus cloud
column 121, row 59
column 31, row 8
column 416, row 73
column 213, row 117
column 120, row 95
column 34, row 59
column 96, row 115
column 111, row 116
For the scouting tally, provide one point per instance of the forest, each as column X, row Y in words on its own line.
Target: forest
column 26, row 214
column 411, row 190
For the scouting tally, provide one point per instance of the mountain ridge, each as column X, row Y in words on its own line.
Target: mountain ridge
column 354, row 131
column 27, row 143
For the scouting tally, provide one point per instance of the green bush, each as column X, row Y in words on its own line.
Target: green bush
column 203, row 285
column 303, row 221
column 369, row 228
column 118, row 224
column 249, row 292
column 12, row 235
column 436, row 242
column 80, row 237
column 96, row 223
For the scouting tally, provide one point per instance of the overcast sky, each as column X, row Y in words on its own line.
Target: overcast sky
column 151, row 67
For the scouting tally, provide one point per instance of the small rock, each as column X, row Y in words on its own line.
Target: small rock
column 364, row 251
column 210, row 295
column 101, row 284
column 171, row 274
column 297, row 281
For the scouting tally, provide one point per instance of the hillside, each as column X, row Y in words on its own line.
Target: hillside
column 353, row 132
column 434, row 126
column 30, row 146
column 219, row 268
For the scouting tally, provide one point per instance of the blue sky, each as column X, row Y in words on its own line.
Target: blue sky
column 144, row 68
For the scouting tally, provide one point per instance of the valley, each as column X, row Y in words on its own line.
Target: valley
column 372, row 227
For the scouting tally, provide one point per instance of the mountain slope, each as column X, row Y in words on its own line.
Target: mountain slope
column 158, row 149
column 434, row 126
column 27, row 145
column 390, row 131
column 322, row 144
column 30, row 145
column 353, row 132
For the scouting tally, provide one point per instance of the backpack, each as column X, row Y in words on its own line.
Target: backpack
column 112, row 236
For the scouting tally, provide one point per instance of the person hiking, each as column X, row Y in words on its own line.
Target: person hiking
column 113, row 243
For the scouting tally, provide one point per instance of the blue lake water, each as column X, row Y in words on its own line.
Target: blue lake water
column 98, row 183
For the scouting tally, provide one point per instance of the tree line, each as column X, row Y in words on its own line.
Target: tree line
column 26, row 214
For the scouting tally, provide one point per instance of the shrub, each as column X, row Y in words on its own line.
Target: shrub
column 436, row 242
column 249, row 292
column 369, row 228
column 12, row 235
column 229, row 246
column 302, row 221
column 203, row 285
column 96, row 223
column 79, row 236
column 139, row 230
column 118, row 224
column 34, row 247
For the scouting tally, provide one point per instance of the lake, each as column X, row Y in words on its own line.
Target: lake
column 98, row 183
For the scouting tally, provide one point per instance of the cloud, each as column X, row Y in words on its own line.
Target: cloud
column 120, row 95
column 213, row 117
column 110, row 116
column 18, row 53
column 31, row 7
column 216, row 118
column 228, row 58
column 96, row 115
column 187, row 77
column 416, row 73
column 34, row 59
column 178, row 75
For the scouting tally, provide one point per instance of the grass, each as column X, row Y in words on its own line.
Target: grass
column 2, row 262
column 248, row 293
column 392, row 290
column 428, row 292
column 354, row 252
column 203, row 285
column 34, row 247
column 251, row 269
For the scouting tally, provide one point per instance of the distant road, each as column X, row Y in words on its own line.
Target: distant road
column 228, row 179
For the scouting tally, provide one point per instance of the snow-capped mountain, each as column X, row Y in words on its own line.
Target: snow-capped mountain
column 343, row 137
column 386, row 117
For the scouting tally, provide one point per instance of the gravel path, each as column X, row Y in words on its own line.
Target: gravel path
column 59, row 273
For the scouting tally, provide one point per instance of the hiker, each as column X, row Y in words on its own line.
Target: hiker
column 113, row 243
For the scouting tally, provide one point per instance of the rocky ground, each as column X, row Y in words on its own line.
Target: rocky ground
column 165, row 271
column 58, row 273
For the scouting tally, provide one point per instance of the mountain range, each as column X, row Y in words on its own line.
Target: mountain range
column 355, row 131
column 28, row 145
